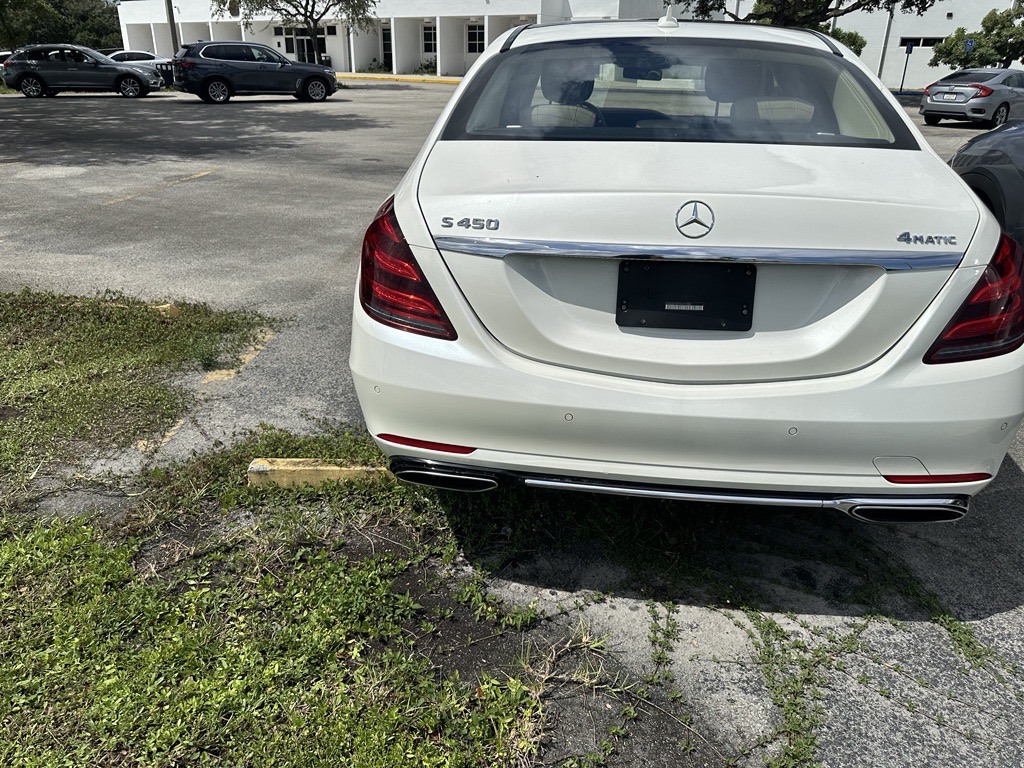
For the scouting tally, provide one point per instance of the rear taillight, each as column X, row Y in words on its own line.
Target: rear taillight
column 392, row 288
column 983, row 91
column 991, row 321
column 183, row 63
column 928, row 89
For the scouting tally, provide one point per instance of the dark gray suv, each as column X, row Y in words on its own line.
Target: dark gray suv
column 46, row 70
column 217, row 70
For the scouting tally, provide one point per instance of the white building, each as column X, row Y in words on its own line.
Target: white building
column 448, row 35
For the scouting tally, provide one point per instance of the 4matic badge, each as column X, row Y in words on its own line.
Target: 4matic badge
column 910, row 239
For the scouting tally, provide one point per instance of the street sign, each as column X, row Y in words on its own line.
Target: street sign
column 969, row 44
column 910, row 48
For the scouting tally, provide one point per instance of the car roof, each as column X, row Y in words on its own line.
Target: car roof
column 986, row 70
column 722, row 30
column 75, row 46
column 228, row 42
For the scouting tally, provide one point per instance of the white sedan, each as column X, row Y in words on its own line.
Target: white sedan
column 692, row 261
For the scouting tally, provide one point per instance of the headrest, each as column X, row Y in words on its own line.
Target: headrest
column 732, row 79
column 565, row 81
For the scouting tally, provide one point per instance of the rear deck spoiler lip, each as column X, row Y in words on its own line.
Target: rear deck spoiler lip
column 889, row 260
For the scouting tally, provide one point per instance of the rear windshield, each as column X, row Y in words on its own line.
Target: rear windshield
column 968, row 77
column 638, row 89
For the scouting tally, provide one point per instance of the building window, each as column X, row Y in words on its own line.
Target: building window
column 429, row 38
column 332, row 30
column 289, row 45
column 920, row 42
column 475, row 38
column 278, row 31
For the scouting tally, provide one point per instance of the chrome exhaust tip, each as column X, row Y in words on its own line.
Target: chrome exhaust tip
column 880, row 513
column 448, row 481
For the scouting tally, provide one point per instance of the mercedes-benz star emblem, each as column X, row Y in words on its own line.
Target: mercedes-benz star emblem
column 695, row 219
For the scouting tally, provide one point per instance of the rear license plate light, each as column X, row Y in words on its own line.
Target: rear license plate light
column 696, row 296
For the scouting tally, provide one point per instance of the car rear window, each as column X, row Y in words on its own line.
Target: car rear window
column 968, row 76
column 640, row 89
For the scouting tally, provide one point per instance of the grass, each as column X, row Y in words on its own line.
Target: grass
column 300, row 659
column 210, row 623
column 95, row 371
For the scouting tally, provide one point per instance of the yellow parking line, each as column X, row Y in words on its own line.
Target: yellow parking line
column 226, row 374
column 162, row 186
column 143, row 446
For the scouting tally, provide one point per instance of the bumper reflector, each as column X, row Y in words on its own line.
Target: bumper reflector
column 968, row 477
column 427, row 444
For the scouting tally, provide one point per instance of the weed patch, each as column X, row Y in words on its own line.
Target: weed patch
column 94, row 372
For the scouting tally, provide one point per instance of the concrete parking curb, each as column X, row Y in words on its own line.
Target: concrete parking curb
column 400, row 78
column 295, row 473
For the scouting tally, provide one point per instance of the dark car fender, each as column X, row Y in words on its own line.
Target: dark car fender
column 1001, row 187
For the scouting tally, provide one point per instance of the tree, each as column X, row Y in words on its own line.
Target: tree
column 16, row 19
column 799, row 13
column 853, row 40
column 308, row 14
column 999, row 42
column 92, row 23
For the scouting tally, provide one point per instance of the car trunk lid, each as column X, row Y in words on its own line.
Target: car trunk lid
column 834, row 251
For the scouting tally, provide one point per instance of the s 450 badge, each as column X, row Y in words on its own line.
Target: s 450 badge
column 449, row 221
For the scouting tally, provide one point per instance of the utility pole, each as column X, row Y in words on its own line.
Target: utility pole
column 885, row 40
column 175, row 43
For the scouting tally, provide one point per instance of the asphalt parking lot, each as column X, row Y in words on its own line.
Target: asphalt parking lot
column 261, row 204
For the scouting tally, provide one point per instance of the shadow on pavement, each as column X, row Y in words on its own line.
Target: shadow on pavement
column 109, row 129
column 768, row 559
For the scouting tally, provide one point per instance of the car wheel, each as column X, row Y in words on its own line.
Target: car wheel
column 999, row 116
column 216, row 92
column 931, row 120
column 314, row 89
column 130, row 87
column 32, row 87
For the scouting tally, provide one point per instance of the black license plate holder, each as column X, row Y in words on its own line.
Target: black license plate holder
column 707, row 296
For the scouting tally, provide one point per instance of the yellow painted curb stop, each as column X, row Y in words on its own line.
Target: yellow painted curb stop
column 295, row 473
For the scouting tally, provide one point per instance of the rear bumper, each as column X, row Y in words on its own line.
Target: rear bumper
column 970, row 110
column 830, row 439
column 868, row 508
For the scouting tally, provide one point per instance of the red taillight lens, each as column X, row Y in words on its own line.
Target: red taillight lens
column 983, row 91
column 991, row 321
column 928, row 89
column 969, row 477
column 430, row 445
column 392, row 289
column 183, row 63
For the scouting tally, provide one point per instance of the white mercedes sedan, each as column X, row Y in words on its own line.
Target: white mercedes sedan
column 695, row 261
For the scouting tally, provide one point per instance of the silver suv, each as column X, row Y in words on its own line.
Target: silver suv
column 46, row 70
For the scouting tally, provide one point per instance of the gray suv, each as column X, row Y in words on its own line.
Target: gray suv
column 46, row 70
column 217, row 70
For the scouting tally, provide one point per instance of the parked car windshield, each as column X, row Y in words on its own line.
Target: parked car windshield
column 642, row 89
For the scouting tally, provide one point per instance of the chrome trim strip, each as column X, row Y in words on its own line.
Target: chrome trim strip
column 955, row 505
column 719, row 497
column 890, row 261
